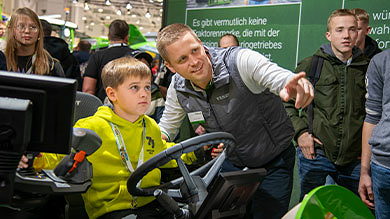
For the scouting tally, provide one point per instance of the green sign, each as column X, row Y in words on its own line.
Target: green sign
column 261, row 28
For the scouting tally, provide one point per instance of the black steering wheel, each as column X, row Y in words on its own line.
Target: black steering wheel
column 175, row 152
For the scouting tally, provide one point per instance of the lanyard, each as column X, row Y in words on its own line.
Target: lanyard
column 117, row 45
column 32, row 63
column 122, row 147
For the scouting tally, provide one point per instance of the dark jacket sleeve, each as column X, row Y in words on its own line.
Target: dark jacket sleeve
column 3, row 62
column 299, row 116
column 57, row 70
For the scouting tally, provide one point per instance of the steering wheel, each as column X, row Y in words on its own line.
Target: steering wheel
column 175, row 152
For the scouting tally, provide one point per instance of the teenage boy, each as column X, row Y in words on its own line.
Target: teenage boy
column 333, row 147
column 365, row 43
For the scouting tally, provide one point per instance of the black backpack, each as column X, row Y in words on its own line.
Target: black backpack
column 315, row 72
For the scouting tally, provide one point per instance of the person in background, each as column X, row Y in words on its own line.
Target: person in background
column 118, row 35
column 333, row 146
column 82, row 55
column 59, row 49
column 228, row 40
column 374, row 186
column 365, row 43
column 245, row 91
column 24, row 51
column 3, row 29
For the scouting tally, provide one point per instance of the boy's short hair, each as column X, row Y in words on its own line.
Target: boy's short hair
column 339, row 13
column 117, row 71
column 237, row 43
column 361, row 15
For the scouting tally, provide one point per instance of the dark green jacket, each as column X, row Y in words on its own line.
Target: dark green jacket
column 339, row 105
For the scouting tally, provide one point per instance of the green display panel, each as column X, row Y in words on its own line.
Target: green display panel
column 261, row 28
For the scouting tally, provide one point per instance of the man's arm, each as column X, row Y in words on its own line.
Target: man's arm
column 173, row 115
column 259, row 73
column 89, row 85
column 365, row 183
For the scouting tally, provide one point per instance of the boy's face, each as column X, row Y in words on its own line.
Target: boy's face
column 342, row 35
column 132, row 98
column 363, row 31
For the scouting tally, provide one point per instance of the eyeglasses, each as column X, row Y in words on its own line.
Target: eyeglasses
column 22, row 28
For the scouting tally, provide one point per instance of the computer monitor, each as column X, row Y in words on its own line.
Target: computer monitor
column 230, row 193
column 53, row 101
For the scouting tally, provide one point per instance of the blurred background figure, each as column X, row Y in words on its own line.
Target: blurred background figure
column 59, row 49
column 228, row 40
column 2, row 35
column 82, row 54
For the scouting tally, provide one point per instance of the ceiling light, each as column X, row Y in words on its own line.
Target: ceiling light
column 141, row 28
column 75, row 1
column 161, row 10
column 84, row 18
column 108, row 2
column 133, row 15
column 100, row 10
column 92, row 23
column 108, row 17
column 128, row 11
column 128, row 6
column 86, row 6
column 119, row 12
column 148, row 15
column 137, row 22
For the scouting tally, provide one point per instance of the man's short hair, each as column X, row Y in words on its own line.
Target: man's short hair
column 231, row 36
column 46, row 27
column 84, row 45
column 117, row 71
column 171, row 34
column 118, row 30
column 340, row 13
column 361, row 15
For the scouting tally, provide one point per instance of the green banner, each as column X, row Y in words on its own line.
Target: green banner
column 261, row 28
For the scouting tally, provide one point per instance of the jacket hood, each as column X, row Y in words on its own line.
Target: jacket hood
column 371, row 47
column 108, row 114
column 326, row 51
column 57, row 47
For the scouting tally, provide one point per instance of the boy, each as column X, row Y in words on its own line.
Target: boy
column 125, row 132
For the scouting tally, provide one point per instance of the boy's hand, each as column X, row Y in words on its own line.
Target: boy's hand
column 23, row 162
column 215, row 151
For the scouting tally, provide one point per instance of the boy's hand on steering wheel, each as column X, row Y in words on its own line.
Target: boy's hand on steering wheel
column 215, row 150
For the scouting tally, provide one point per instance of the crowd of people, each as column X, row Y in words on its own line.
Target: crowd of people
column 333, row 109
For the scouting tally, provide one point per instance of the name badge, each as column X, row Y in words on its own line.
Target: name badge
column 196, row 117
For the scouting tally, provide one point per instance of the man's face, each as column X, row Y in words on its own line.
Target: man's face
column 227, row 41
column 342, row 35
column 363, row 30
column 187, row 57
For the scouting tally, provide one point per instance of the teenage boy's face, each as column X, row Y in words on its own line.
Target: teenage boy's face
column 188, row 58
column 363, row 30
column 342, row 35
column 132, row 98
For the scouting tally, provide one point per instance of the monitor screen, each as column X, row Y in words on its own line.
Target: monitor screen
column 53, row 101
column 230, row 193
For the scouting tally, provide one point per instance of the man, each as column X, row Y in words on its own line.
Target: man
column 118, row 34
column 82, row 55
column 243, row 101
column 364, row 42
column 228, row 40
column 333, row 147
column 374, row 187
